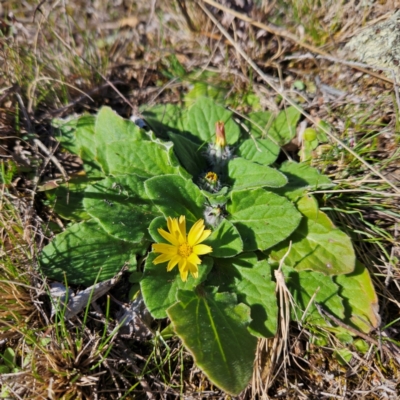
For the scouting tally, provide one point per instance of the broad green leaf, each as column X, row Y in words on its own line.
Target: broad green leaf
column 214, row 329
column 109, row 128
column 224, row 274
column 157, row 223
column 262, row 151
column 281, row 129
column 86, row 251
column 68, row 199
column 166, row 118
column 252, row 281
column 217, row 199
column 189, row 154
column 159, row 287
column 359, row 299
column 257, row 290
column 202, row 117
column 317, row 244
column 262, row 218
column 225, row 240
column 343, row 335
column 309, row 285
column 66, row 131
column 302, row 178
column 258, row 123
column 216, row 91
column 244, row 174
column 78, row 137
column 175, row 196
column 143, row 158
column 122, row 207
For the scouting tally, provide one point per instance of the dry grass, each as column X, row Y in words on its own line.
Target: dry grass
column 68, row 57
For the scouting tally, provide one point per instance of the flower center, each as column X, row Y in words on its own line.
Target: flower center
column 185, row 250
column 211, row 177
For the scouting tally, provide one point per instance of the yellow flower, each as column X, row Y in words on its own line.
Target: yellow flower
column 183, row 250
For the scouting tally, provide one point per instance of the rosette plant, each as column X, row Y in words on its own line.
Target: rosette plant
column 199, row 207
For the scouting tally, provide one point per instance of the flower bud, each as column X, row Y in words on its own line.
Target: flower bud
column 220, row 138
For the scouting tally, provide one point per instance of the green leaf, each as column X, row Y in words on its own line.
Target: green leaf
column 262, row 218
column 302, row 178
column 359, row 299
column 321, row 128
column 281, row 129
column 225, row 240
column 214, row 329
column 84, row 252
column 308, row 288
column 175, row 68
column 175, row 196
column 202, row 117
column 361, row 346
column 343, row 356
column 317, row 244
column 244, row 174
column 189, row 154
column 159, row 287
column 9, row 357
column 224, row 274
column 258, row 123
column 109, row 128
column 215, row 91
column 122, row 207
column 78, row 137
column 262, row 151
column 159, row 222
column 306, row 150
column 4, row 370
column 166, row 118
column 68, row 199
column 143, row 158
column 252, row 281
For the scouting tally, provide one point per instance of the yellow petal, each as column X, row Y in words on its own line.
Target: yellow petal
column 176, row 231
column 194, row 259
column 173, row 262
column 162, row 258
column 165, row 248
column 196, row 232
column 182, row 225
column 193, row 270
column 182, row 263
column 182, row 269
column 204, row 236
column 184, row 275
column 168, row 236
column 202, row 249
column 170, row 225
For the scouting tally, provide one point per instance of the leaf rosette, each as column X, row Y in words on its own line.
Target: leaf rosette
column 197, row 164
